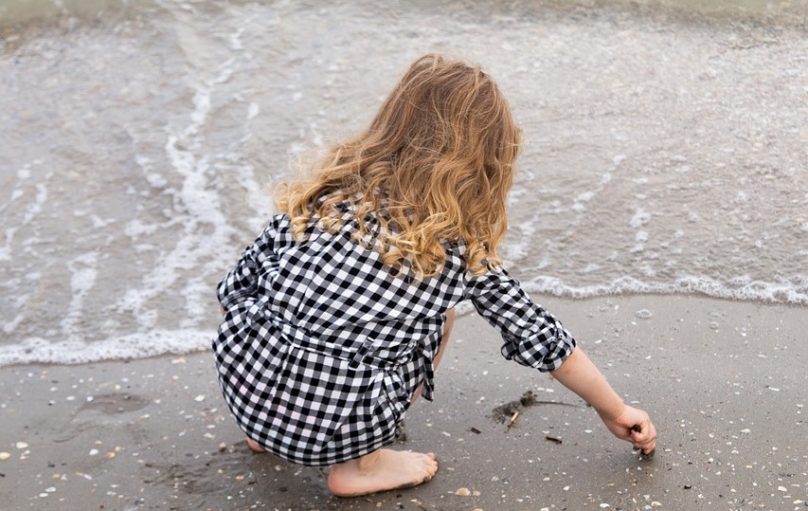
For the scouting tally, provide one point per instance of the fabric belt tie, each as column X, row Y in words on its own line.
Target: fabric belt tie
column 426, row 356
column 364, row 354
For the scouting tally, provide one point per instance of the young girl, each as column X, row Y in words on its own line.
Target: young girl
column 338, row 314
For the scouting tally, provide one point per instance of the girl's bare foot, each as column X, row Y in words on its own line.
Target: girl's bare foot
column 381, row 470
column 254, row 446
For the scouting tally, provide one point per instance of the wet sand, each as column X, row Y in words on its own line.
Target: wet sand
column 725, row 382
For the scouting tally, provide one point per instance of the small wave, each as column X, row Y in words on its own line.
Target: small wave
column 794, row 292
column 160, row 342
column 138, row 345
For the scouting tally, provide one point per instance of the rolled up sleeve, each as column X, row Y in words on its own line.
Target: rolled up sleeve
column 531, row 336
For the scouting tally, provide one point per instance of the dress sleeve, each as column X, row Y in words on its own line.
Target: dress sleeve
column 531, row 336
column 241, row 282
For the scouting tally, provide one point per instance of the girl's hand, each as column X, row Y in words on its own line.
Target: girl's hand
column 635, row 426
column 580, row 375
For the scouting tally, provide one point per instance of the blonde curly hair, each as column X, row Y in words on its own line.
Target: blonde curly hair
column 434, row 166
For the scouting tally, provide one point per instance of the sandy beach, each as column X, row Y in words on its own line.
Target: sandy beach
column 724, row 381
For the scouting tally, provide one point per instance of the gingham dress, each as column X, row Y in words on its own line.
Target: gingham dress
column 322, row 346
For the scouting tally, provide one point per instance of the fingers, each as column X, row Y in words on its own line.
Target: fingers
column 635, row 426
column 643, row 436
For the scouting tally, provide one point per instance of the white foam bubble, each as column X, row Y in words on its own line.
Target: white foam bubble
column 585, row 196
column 235, row 39
column 12, row 325
column 35, row 207
column 135, row 228
column 83, row 274
column 253, row 110
column 640, row 238
column 520, row 247
column 99, row 222
column 640, row 218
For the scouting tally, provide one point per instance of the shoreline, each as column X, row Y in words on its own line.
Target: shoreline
column 722, row 380
column 185, row 344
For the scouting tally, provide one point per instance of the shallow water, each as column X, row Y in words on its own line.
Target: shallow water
column 662, row 154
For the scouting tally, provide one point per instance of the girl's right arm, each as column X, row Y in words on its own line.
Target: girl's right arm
column 581, row 376
column 241, row 281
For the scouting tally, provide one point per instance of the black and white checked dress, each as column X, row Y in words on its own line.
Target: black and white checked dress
column 322, row 347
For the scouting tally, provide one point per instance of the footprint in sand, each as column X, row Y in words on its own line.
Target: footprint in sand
column 115, row 403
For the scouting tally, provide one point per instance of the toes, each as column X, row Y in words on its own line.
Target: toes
column 429, row 466
column 432, row 469
column 428, row 475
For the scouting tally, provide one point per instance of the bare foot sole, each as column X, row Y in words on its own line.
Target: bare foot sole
column 381, row 470
column 254, row 446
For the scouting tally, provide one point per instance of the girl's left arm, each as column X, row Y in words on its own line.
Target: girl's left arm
column 581, row 376
column 531, row 336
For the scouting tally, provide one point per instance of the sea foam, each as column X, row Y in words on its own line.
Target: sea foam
column 785, row 292
column 137, row 345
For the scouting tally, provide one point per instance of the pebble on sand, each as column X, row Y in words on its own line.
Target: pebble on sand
column 463, row 492
column 22, row 445
column 4, row 456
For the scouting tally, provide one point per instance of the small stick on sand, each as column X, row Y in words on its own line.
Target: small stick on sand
column 512, row 420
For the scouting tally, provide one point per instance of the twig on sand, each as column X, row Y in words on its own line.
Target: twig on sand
column 508, row 412
column 512, row 420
